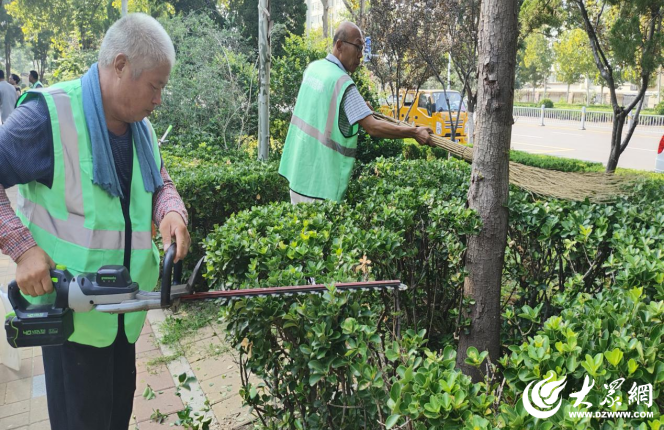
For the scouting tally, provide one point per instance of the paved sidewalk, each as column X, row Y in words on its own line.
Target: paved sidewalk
column 23, row 392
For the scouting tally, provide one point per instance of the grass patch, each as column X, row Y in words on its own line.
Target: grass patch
column 191, row 317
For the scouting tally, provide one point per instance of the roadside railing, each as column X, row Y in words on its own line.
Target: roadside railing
column 582, row 116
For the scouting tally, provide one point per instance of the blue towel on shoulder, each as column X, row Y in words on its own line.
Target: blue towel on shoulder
column 103, row 165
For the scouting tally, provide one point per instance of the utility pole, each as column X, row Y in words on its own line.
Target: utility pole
column 124, row 7
column 264, row 76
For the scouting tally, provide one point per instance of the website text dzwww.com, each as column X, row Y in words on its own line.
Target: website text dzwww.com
column 607, row 414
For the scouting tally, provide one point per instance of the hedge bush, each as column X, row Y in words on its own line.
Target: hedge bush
column 547, row 103
column 555, row 163
column 216, row 186
column 354, row 360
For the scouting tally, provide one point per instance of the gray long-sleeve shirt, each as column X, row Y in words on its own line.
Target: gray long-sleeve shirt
column 8, row 96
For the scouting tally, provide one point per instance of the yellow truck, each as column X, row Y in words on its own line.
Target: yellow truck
column 429, row 108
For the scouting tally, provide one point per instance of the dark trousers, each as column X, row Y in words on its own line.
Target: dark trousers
column 90, row 388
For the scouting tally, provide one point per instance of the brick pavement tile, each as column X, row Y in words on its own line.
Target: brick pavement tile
column 15, row 421
column 38, row 409
column 158, row 382
column 210, row 367
column 201, row 348
column 37, row 351
column 25, row 371
column 146, row 342
column 18, row 390
column 167, row 403
column 169, row 423
column 14, row 409
column 222, row 387
column 147, row 328
column 37, row 366
column 41, row 425
column 200, row 334
column 3, row 390
column 143, row 360
column 26, row 353
column 231, row 410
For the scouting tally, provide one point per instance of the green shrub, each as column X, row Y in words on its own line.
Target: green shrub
column 580, row 279
column 555, row 163
column 659, row 108
column 211, row 94
column 547, row 103
column 213, row 190
column 616, row 334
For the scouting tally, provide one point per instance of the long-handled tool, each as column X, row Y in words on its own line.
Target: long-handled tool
column 111, row 290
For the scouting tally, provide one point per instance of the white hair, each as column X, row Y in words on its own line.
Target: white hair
column 142, row 39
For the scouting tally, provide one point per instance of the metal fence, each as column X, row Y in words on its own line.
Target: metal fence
column 578, row 115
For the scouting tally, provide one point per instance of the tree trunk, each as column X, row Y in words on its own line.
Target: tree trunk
column 489, row 181
column 567, row 98
column 616, row 139
column 326, row 22
column 8, row 56
column 534, row 101
column 264, row 74
column 361, row 20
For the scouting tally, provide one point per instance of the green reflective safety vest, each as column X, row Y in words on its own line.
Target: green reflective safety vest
column 318, row 158
column 37, row 85
column 80, row 225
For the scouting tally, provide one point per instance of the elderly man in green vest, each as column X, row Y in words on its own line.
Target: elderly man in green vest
column 320, row 147
column 91, row 183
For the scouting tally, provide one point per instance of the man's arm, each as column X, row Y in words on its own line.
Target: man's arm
column 26, row 155
column 170, row 214
column 358, row 111
column 384, row 129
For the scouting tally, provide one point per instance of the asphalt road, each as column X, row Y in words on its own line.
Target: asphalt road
column 565, row 139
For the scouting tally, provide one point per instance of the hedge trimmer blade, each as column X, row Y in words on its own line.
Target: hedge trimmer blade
column 295, row 290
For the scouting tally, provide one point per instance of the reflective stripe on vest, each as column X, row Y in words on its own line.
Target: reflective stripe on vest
column 325, row 138
column 73, row 229
column 318, row 158
column 79, row 224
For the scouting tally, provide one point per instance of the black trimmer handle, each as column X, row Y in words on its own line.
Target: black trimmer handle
column 20, row 304
column 172, row 273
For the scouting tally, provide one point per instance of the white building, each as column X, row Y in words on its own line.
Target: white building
column 315, row 14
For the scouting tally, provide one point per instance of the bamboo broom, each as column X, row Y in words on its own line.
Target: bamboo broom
column 598, row 187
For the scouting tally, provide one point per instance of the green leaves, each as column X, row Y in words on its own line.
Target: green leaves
column 614, row 357
column 474, row 358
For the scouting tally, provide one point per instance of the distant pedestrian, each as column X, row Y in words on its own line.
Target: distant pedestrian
column 8, row 97
column 34, row 80
column 15, row 80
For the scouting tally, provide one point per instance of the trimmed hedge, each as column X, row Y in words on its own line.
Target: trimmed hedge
column 215, row 188
column 353, row 360
column 555, row 163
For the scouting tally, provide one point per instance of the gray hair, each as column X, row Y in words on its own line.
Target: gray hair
column 142, row 39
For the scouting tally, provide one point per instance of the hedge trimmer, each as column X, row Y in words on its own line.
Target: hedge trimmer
column 111, row 290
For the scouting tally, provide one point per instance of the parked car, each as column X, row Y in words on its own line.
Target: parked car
column 431, row 108
column 659, row 161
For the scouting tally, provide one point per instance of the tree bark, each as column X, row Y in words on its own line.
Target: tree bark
column 567, row 97
column 264, row 75
column 489, row 182
column 326, row 18
column 8, row 56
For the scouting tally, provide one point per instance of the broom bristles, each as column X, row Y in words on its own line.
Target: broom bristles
column 596, row 186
